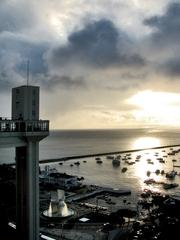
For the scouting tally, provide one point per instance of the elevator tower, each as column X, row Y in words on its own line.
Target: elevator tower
column 24, row 131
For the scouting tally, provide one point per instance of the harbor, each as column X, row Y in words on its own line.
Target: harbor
column 139, row 207
column 122, row 204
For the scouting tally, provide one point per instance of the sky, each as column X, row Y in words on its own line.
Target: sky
column 99, row 63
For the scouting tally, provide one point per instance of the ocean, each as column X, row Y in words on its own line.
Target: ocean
column 80, row 142
column 66, row 143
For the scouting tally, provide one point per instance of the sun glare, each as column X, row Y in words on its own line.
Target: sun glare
column 156, row 107
column 146, row 142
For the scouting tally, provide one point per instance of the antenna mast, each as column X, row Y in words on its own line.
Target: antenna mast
column 27, row 72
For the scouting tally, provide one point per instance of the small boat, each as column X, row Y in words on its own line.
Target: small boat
column 80, row 178
column 170, row 185
column 157, row 171
column 124, row 169
column 99, row 161
column 131, row 163
column 162, row 172
column 77, row 163
column 115, row 162
column 171, row 174
column 150, row 181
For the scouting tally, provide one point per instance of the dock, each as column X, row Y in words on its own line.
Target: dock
column 117, row 192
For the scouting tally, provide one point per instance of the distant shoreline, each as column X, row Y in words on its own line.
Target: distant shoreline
column 102, row 154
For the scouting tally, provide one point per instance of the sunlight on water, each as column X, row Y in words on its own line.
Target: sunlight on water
column 148, row 163
column 146, row 142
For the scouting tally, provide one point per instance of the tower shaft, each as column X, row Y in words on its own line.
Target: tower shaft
column 27, row 192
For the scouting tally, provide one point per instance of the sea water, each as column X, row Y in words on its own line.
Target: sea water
column 80, row 142
column 66, row 143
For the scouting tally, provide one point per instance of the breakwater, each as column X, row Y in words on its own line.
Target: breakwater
column 103, row 154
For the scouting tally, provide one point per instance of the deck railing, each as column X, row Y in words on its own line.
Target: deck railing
column 7, row 125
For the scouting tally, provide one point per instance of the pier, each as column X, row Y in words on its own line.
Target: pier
column 117, row 192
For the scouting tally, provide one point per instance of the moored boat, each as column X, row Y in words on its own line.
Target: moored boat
column 115, row 162
column 171, row 174
column 170, row 185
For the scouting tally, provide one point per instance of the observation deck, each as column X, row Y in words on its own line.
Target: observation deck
column 17, row 132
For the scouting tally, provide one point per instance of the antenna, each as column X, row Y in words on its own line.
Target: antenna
column 27, row 72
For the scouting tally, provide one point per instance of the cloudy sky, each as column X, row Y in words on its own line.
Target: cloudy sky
column 99, row 63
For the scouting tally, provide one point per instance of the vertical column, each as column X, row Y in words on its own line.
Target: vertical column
column 27, row 182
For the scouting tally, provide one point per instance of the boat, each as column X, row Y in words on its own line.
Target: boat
column 171, row 174
column 131, row 163
column 149, row 181
column 115, row 162
column 110, row 157
column 77, row 163
column 124, row 169
column 99, row 161
column 170, row 185
column 157, row 171
column 162, row 172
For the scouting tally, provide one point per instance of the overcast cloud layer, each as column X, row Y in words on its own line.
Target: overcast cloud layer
column 88, row 57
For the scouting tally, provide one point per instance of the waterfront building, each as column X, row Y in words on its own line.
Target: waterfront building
column 60, row 180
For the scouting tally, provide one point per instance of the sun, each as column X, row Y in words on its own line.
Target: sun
column 160, row 108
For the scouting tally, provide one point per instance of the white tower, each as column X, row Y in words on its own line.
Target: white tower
column 25, row 107
column 24, row 132
column 25, row 103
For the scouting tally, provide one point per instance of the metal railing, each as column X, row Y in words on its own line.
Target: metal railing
column 7, row 125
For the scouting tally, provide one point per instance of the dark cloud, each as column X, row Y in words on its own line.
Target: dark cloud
column 14, row 54
column 167, row 26
column 50, row 82
column 5, row 84
column 27, row 50
column 132, row 75
column 100, row 45
column 171, row 67
column 165, row 40
column 16, row 15
column 124, row 86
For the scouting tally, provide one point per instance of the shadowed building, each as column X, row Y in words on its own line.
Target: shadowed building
column 24, row 132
